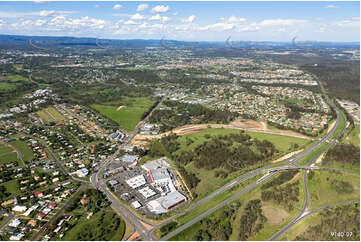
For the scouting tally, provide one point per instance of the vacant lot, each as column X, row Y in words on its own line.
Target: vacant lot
column 323, row 189
column 128, row 116
column 102, row 226
column 354, row 137
column 23, row 148
column 282, row 143
column 50, row 114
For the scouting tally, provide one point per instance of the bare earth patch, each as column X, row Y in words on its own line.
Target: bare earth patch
column 121, row 106
column 194, row 128
column 289, row 155
column 274, row 214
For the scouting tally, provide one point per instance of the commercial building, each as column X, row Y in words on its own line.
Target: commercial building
column 136, row 181
column 146, row 192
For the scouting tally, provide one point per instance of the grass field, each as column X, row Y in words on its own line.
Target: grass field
column 5, row 87
column 282, row 143
column 301, row 227
column 8, row 157
column 354, row 136
column 50, row 114
column 55, row 113
column 4, row 149
column 128, row 116
column 323, row 193
column 12, row 187
column 92, row 229
column 23, row 148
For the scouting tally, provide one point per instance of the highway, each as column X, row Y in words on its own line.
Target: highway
column 291, row 162
column 220, row 205
column 306, row 214
column 146, row 234
column 304, row 210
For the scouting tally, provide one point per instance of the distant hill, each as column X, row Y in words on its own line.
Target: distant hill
column 52, row 41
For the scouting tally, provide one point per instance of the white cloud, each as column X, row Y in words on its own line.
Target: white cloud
column 137, row 16
column 160, row 9
column 281, row 22
column 234, row 19
column 142, row 7
column 61, row 22
column 96, row 6
column 2, row 22
column 117, row 6
column 130, row 22
column 331, row 6
column 190, row 19
column 39, row 22
column 218, row 27
column 46, row 13
column 348, row 23
column 155, row 17
column 43, row 13
column 166, row 19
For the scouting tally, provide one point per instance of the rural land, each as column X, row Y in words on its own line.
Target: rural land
column 109, row 140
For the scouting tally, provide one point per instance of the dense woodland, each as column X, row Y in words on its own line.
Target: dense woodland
column 217, row 151
column 345, row 219
column 216, row 229
column 346, row 154
column 180, row 114
column 283, row 195
column 252, row 220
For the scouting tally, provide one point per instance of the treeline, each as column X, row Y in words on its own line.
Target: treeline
column 282, row 178
column 347, row 154
column 344, row 219
column 190, row 178
column 341, row 187
column 252, row 220
column 184, row 113
column 145, row 114
column 285, row 195
column 99, row 93
column 216, row 229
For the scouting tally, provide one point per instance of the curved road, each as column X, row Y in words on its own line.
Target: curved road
column 292, row 161
column 304, row 212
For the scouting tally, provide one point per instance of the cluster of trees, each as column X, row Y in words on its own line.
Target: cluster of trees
column 218, row 229
column 4, row 193
column 252, row 220
column 286, row 195
column 347, row 154
column 282, row 178
column 190, row 178
column 341, row 186
column 345, row 219
column 221, row 151
column 168, row 228
column 184, row 113
column 150, row 109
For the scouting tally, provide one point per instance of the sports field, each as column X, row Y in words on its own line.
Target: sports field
column 126, row 113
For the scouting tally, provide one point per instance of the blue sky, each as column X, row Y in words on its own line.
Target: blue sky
column 193, row 21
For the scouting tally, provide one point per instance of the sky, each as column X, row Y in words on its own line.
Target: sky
column 189, row 21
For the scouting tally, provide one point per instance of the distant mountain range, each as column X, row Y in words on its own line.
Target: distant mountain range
column 51, row 41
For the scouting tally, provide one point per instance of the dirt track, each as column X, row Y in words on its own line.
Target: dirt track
column 141, row 139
